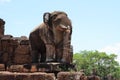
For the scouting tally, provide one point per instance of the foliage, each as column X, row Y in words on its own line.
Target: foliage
column 104, row 64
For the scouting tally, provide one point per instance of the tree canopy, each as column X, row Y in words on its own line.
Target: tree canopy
column 104, row 64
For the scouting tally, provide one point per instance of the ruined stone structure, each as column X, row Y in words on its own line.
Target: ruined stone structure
column 13, row 50
column 48, row 52
column 2, row 23
column 49, row 42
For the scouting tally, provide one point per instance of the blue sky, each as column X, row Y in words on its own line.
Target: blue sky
column 96, row 23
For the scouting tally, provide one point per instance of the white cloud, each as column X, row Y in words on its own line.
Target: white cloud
column 114, row 48
column 4, row 1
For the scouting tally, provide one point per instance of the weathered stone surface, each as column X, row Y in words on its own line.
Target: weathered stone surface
column 38, row 76
column 2, row 23
column 22, row 59
column 23, row 49
column 16, row 68
column 22, row 76
column 69, row 76
column 33, row 68
column 50, row 76
column 4, row 75
column 5, row 57
column 65, row 76
column 2, row 67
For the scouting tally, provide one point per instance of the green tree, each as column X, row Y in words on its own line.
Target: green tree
column 104, row 64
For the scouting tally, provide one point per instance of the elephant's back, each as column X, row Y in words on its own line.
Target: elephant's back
column 38, row 28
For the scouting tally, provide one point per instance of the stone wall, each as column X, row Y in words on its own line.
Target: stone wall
column 26, row 76
column 4, row 75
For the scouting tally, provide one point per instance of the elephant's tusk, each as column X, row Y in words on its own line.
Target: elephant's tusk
column 64, row 27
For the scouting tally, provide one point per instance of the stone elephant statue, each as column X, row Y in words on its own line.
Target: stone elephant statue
column 51, row 40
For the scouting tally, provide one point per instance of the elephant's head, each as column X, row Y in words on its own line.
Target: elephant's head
column 57, row 19
column 2, row 23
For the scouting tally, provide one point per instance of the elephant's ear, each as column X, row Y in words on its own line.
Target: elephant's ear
column 46, row 17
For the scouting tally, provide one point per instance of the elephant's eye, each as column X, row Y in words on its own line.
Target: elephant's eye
column 57, row 21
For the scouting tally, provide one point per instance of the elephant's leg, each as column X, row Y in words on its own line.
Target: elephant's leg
column 34, row 47
column 59, row 53
column 68, row 54
column 43, row 57
column 50, row 53
column 42, row 52
column 35, row 56
column 65, row 56
column 71, row 53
